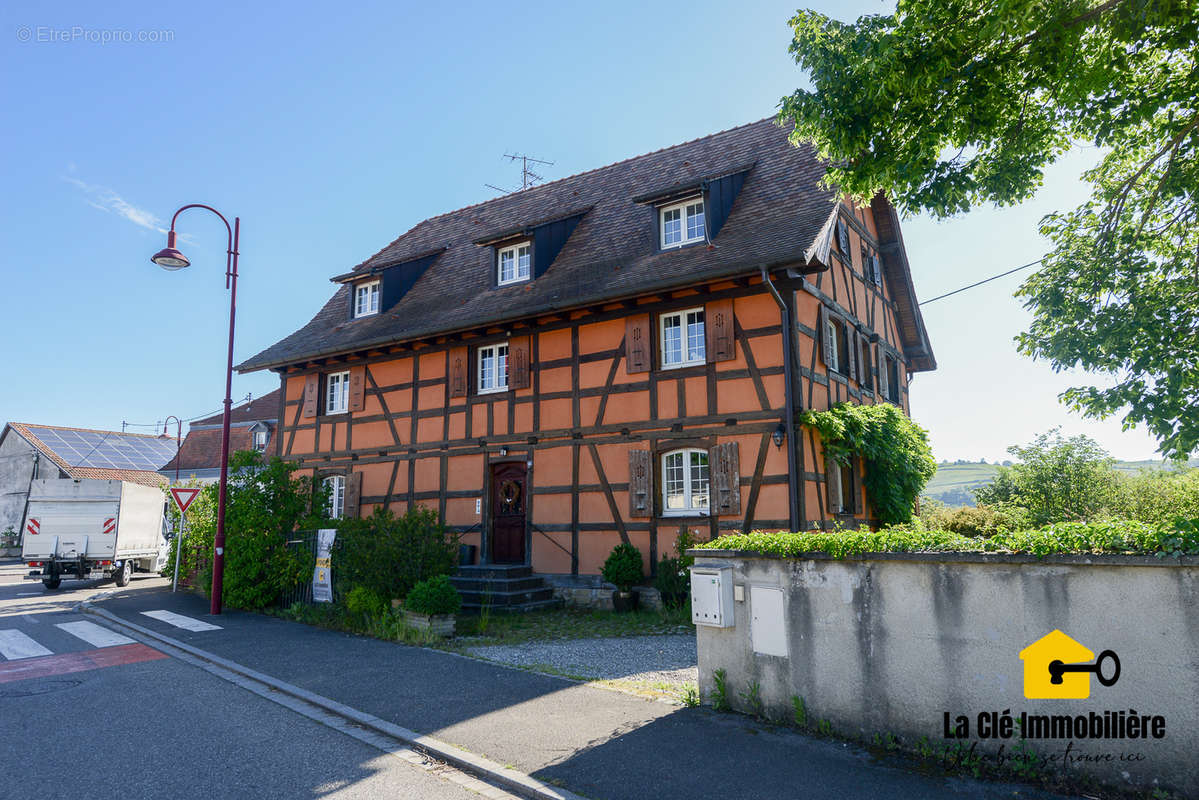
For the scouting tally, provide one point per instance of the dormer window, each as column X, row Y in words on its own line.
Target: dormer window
column 515, row 263
column 366, row 299
column 682, row 223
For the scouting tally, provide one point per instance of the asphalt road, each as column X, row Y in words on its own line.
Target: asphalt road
column 124, row 720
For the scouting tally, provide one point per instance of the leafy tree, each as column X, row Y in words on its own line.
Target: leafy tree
column 266, row 504
column 1057, row 480
column 946, row 105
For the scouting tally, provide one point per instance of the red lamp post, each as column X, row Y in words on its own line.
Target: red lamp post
column 171, row 259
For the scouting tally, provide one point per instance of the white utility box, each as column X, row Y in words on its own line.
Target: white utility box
column 712, row 596
column 767, row 629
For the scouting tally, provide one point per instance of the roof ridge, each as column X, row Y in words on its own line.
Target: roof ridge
column 559, row 180
column 84, row 430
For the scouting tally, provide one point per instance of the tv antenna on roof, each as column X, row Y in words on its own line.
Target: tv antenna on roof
column 527, row 176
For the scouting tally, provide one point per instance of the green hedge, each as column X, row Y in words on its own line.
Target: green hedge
column 1112, row 536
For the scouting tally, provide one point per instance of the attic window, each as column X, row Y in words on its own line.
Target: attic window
column 366, row 299
column 514, row 263
column 681, row 223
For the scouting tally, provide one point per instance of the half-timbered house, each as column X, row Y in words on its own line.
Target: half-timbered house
column 620, row 355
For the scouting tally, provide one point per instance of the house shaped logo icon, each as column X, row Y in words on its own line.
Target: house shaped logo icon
column 1055, row 668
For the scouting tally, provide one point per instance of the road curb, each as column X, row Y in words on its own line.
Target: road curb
column 508, row 779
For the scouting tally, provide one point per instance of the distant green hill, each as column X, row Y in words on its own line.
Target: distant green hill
column 954, row 483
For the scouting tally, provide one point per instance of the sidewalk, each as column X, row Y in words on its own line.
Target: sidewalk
column 596, row 742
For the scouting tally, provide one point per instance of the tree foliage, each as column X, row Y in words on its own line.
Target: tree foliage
column 946, row 105
column 1056, row 480
column 899, row 461
column 388, row 555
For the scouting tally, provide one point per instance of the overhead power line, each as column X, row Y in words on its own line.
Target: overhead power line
column 980, row 283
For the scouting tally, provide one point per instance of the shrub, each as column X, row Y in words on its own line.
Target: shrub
column 623, row 566
column 434, row 596
column 969, row 521
column 1108, row 536
column 1158, row 496
column 265, row 506
column 673, row 581
column 389, row 554
column 365, row 603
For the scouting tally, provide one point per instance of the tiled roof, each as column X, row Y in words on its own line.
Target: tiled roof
column 612, row 252
column 259, row 408
column 131, row 475
column 75, row 450
column 202, row 449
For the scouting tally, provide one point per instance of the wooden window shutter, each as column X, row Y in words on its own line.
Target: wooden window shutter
column 832, row 477
column 641, row 484
column 851, row 357
column 878, row 270
column 724, row 470
column 459, row 372
column 718, row 329
column 357, row 388
column 353, row 499
column 826, row 350
column 312, row 393
column 518, row 363
column 636, row 344
column 883, row 388
column 843, row 237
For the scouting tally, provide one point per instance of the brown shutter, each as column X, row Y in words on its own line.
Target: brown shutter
column 843, row 237
column 883, row 378
column 832, row 477
column 641, row 484
column 357, row 388
column 353, row 497
column 718, row 330
column 865, row 374
column 459, row 361
column 636, row 344
column 312, row 391
column 826, row 350
column 518, row 362
column 724, row 467
column 851, row 345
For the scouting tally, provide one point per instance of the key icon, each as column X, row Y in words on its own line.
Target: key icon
column 1057, row 669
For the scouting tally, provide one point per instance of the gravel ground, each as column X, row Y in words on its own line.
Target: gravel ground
column 657, row 661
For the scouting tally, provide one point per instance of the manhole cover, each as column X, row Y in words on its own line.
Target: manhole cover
column 45, row 687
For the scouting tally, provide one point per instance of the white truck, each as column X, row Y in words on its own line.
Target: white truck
column 88, row 529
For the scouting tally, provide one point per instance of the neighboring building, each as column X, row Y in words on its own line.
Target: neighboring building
column 251, row 427
column 604, row 358
column 48, row 451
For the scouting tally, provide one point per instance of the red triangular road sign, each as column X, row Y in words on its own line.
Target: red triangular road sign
column 184, row 497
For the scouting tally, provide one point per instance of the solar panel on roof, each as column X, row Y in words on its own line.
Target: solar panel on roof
column 107, row 450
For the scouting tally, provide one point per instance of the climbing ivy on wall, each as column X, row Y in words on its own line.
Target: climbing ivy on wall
column 899, row 461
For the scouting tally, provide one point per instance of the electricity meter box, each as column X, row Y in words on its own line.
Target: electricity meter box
column 712, row 596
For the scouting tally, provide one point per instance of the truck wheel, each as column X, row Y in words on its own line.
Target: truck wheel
column 52, row 583
column 126, row 574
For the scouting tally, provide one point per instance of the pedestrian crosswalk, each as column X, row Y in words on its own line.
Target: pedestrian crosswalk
column 38, row 641
column 180, row 621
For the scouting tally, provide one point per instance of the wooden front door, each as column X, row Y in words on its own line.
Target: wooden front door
column 508, row 504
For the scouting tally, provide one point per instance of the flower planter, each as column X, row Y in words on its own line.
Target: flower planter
column 438, row 624
column 625, row 601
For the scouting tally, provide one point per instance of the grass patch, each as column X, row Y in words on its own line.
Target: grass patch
column 567, row 623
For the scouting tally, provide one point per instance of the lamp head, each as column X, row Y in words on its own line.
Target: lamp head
column 169, row 258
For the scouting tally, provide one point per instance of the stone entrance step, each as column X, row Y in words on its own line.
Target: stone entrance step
column 503, row 588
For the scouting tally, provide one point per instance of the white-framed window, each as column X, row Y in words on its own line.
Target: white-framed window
column 685, row 482
column 682, row 223
column 836, row 351
column 259, row 440
column 366, row 299
column 337, row 495
column 683, row 338
column 515, row 263
column 337, row 392
column 493, row 368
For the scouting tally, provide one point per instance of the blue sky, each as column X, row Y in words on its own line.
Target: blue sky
column 331, row 130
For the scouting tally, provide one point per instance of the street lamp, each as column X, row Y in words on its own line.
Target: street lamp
column 171, row 259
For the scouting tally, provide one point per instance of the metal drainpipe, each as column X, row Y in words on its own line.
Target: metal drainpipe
column 788, row 395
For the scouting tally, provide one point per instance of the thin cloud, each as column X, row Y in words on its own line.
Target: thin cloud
column 106, row 199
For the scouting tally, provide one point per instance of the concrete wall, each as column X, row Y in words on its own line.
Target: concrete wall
column 17, row 464
column 890, row 644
